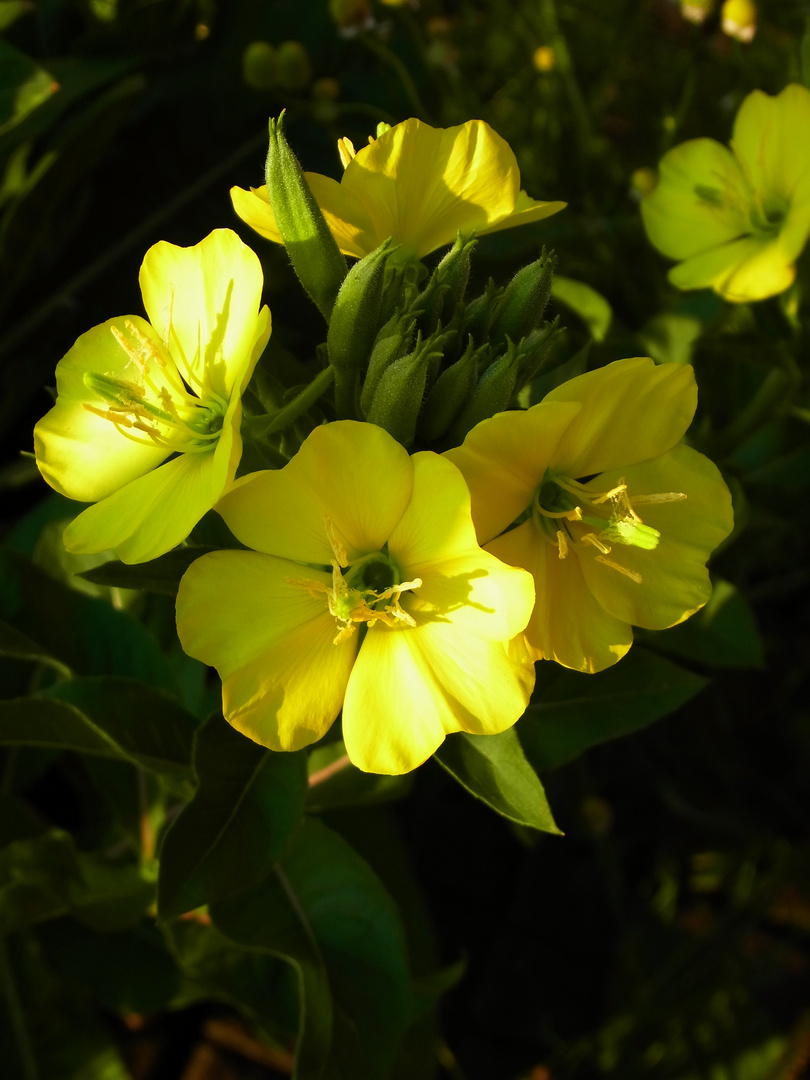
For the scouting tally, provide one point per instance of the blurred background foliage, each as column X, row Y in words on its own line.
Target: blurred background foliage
column 667, row 935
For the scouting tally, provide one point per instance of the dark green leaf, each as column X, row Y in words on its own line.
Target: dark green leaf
column 15, row 644
column 495, row 770
column 722, row 634
column 248, row 803
column 46, row 877
column 326, row 913
column 572, row 711
column 161, row 575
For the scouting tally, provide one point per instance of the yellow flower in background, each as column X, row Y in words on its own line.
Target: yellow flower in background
column 738, row 19
column 146, row 422
column 738, row 219
column 592, row 491
column 417, row 184
column 365, row 590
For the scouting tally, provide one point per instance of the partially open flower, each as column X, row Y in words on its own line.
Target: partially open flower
column 592, row 491
column 417, row 184
column 147, row 417
column 738, row 219
column 366, row 591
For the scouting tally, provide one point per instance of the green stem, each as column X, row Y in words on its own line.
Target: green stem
column 772, row 392
column 565, row 67
column 17, row 1016
column 258, row 427
column 408, row 85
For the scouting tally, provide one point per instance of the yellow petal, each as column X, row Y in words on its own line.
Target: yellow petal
column 253, row 207
column 632, row 410
column 770, row 140
column 504, row 459
column 80, row 454
column 701, row 200
column 203, row 301
column 346, row 216
column 150, row 515
column 420, row 184
column 352, row 473
column 526, row 212
column 745, row 270
column 395, row 714
column 271, row 642
column 569, row 624
column 674, row 580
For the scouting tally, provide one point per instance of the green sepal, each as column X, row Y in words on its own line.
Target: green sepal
column 493, row 394
column 535, row 351
column 478, row 313
column 449, row 394
column 354, row 325
column 520, row 309
column 393, row 342
column 313, row 252
column 446, row 286
column 398, row 397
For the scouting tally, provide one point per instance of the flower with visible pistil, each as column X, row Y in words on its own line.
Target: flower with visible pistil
column 592, row 491
column 417, row 184
column 132, row 394
column 738, row 219
column 365, row 590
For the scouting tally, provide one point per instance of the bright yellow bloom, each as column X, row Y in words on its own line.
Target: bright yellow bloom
column 417, row 184
column 132, row 395
column 592, row 491
column 738, row 19
column 365, row 590
column 738, row 218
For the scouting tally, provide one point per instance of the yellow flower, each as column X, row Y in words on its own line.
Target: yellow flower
column 592, row 492
column 738, row 218
column 132, row 395
column 738, row 19
column 365, row 590
column 417, row 184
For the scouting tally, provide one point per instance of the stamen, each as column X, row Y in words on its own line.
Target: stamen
column 632, row 574
column 562, row 544
column 660, row 497
column 592, row 538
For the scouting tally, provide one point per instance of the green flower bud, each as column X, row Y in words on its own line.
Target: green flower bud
column 478, row 313
column 535, row 351
column 260, row 65
column 294, row 65
column 492, row 395
column 446, row 287
column 393, row 342
column 313, row 252
column 451, row 392
column 398, row 397
column 521, row 307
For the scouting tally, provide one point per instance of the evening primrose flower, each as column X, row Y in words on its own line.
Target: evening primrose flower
column 417, row 184
column 738, row 219
column 146, row 421
column 592, row 491
column 365, row 590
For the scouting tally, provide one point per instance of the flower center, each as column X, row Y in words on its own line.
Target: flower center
column 569, row 514
column 767, row 215
column 175, row 413
column 367, row 590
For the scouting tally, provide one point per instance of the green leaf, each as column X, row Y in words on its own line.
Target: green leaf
column 572, row 711
column 248, row 802
column 19, row 646
column 721, row 634
column 83, row 632
column 11, row 10
column 147, row 725
column 161, row 575
column 586, row 302
column 495, row 770
column 326, row 913
column 46, row 877
column 23, row 85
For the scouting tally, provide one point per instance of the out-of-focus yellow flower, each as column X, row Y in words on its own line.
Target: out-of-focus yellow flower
column 592, row 491
column 696, row 11
column 738, row 19
column 132, row 395
column 543, row 58
column 738, row 218
column 417, row 184
column 365, row 590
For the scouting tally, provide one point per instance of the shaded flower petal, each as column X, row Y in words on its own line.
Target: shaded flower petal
column 272, row 644
column 632, row 410
column 568, row 624
column 504, row 459
column 747, row 269
column 770, row 140
column 353, row 473
column 674, row 579
column 526, row 212
column 203, row 302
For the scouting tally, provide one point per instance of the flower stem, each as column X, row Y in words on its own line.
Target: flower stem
column 408, row 85
column 329, row 770
column 257, row 427
column 772, row 392
column 16, row 1015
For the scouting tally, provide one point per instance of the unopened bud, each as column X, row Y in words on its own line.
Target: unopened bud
column 543, row 59
column 313, row 252
column 446, row 287
column 294, row 65
column 398, row 397
column 350, row 13
column 696, row 11
column 524, row 300
column 260, row 65
column 493, row 394
column 450, row 393
column 393, row 342
column 478, row 313
column 535, row 352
